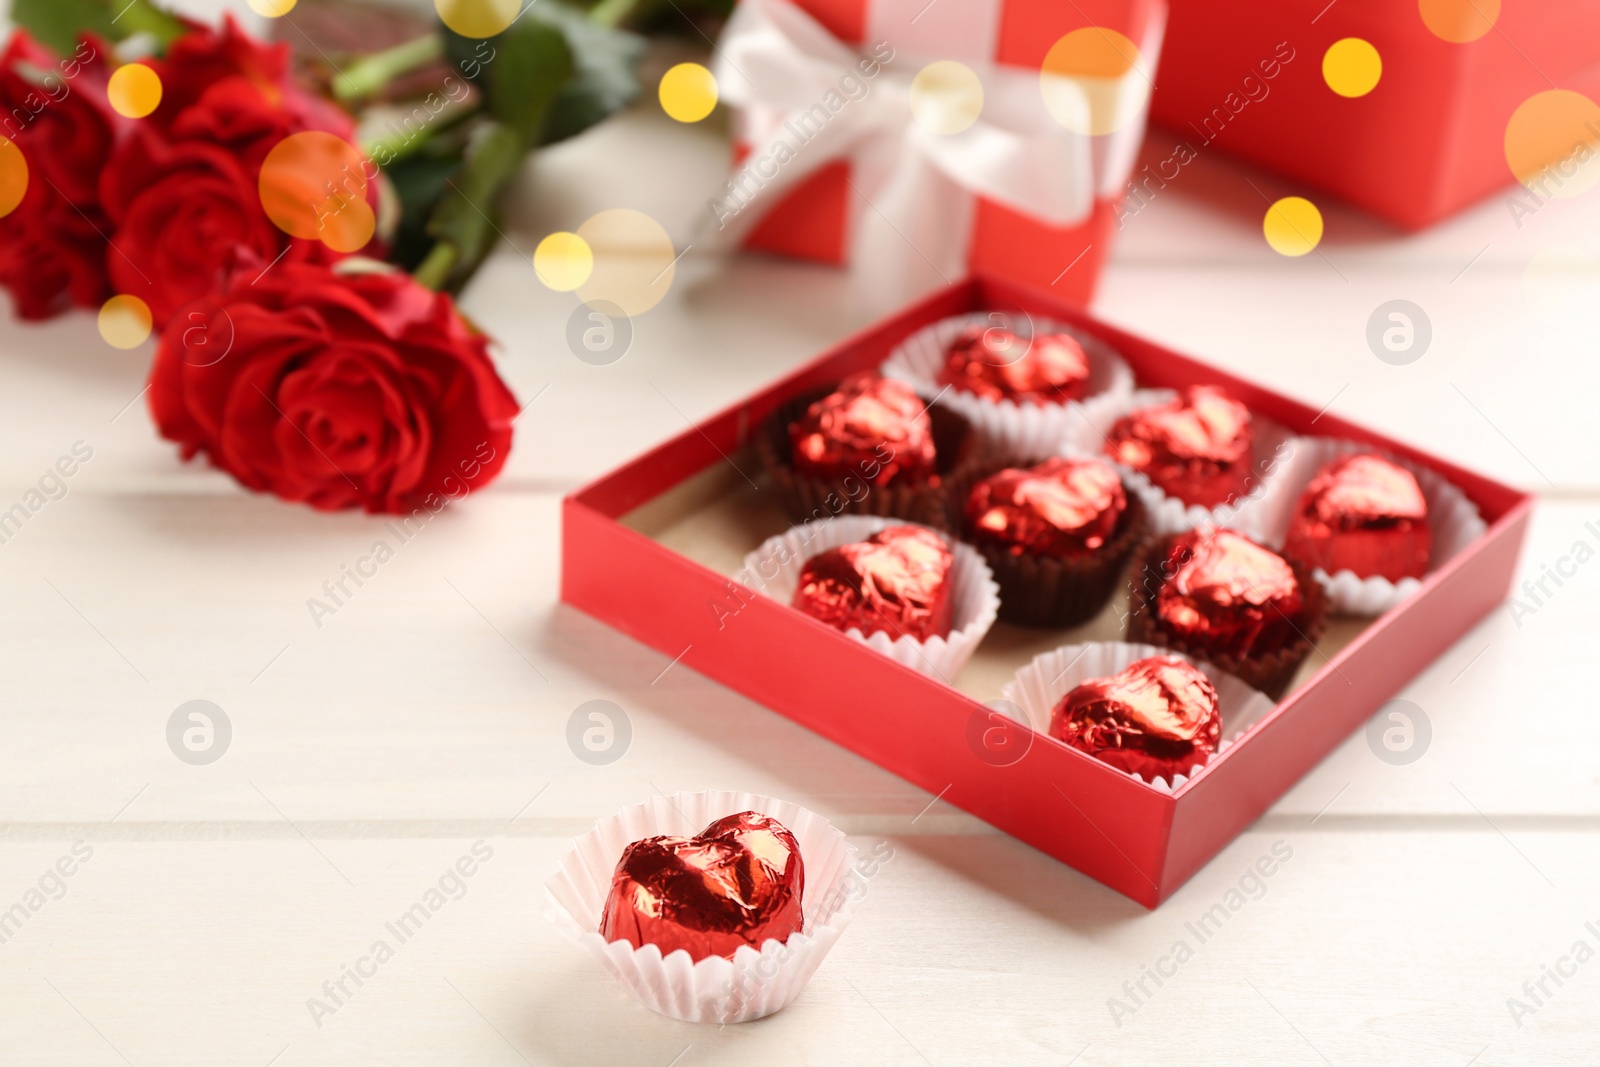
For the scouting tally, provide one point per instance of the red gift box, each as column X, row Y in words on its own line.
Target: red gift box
column 1134, row 838
column 1428, row 140
column 821, row 216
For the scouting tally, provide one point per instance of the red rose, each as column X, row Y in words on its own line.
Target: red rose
column 52, row 256
column 340, row 390
column 184, row 190
column 53, row 246
column 187, row 214
column 225, row 87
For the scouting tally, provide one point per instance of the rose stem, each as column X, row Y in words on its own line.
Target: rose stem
column 402, row 144
column 612, row 13
column 371, row 73
column 435, row 268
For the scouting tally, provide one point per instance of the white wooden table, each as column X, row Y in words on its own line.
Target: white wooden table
column 430, row 711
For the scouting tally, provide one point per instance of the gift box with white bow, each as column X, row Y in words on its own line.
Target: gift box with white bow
column 917, row 140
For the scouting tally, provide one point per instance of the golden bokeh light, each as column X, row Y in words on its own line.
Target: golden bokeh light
column 1553, row 143
column 633, row 260
column 946, row 97
column 1293, row 226
column 1095, row 81
column 351, row 227
column 688, row 92
column 134, row 90
column 563, row 261
column 1459, row 21
column 13, row 177
column 125, row 321
column 313, row 185
column 1352, row 67
column 478, row 18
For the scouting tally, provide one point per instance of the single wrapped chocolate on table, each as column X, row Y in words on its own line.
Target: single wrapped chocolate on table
column 1364, row 514
column 1216, row 594
column 1196, row 447
column 739, row 882
column 868, row 446
column 896, row 582
column 1056, row 535
column 1158, row 718
column 712, row 907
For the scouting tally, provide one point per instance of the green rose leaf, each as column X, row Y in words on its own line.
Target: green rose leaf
column 605, row 81
column 57, row 23
column 465, row 221
column 599, row 82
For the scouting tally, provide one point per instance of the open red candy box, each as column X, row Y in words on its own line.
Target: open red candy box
column 649, row 549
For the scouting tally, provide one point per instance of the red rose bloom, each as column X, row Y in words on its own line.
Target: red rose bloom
column 187, row 213
column 53, row 246
column 184, row 191
column 51, row 255
column 225, row 87
column 338, row 390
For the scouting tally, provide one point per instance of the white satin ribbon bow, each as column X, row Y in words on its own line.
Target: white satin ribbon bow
column 914, row 188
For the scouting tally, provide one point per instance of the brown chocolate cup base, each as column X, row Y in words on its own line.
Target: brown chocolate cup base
column 1043, row 591
column 805, row 497
column 1269, row 673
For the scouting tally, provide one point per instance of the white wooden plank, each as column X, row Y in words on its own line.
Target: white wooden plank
column 1356, row 947
column 1211, row 215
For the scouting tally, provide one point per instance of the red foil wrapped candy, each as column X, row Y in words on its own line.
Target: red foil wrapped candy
column 1157, row 718
column 1365, row 514
column 738, row 882
column 1065, row 508
column 1195, row 448
column 1229, row 596
column 896, row 581
column 873, row 428
column 997, row 364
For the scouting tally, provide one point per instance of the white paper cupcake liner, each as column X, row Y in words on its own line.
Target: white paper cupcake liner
column 1454, row 519
column 774, row 569
column 715, row 990
column 1272, row 446
column 1038, row 688
column 1018, row 432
